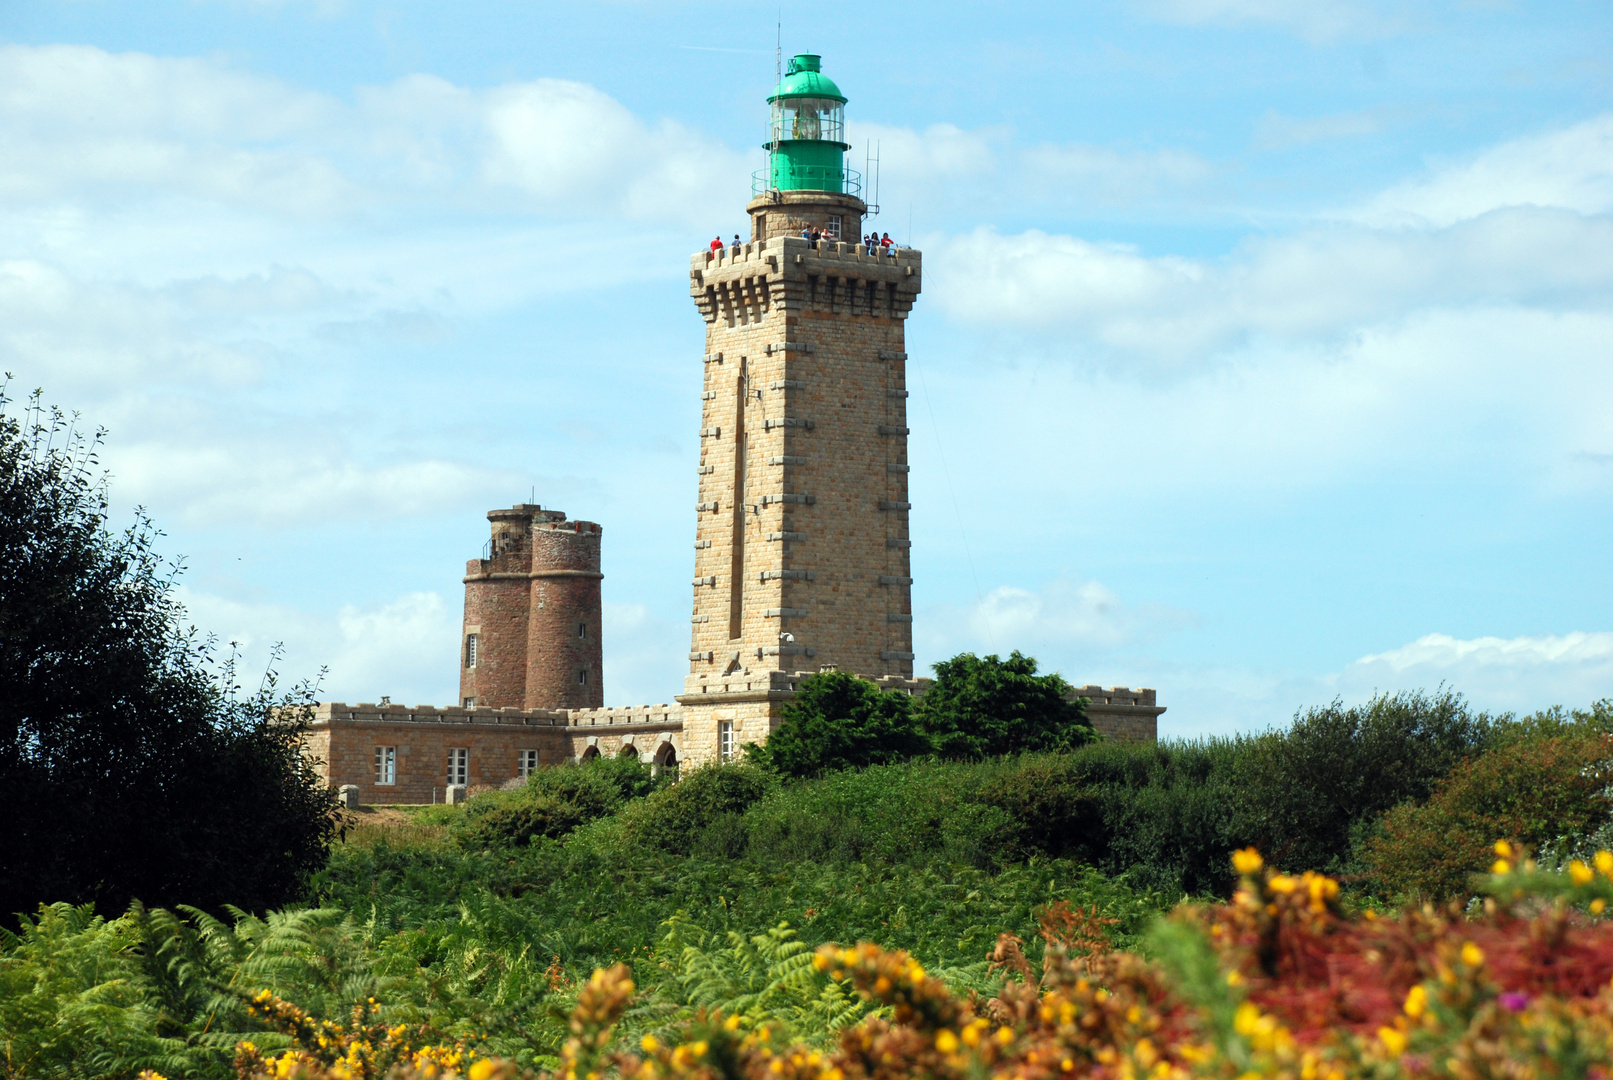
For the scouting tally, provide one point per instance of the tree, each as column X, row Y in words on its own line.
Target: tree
column 131, row 764
column 985, row 707
column 838, row 721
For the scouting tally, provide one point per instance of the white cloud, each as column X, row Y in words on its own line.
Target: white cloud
column 83, row 124
column 982, row 171
column 404, row 649
column 1069, row 625
column 1517, row 674
column 1307, row 287
column 1571, row 169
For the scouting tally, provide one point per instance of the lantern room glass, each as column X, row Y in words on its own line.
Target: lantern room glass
column 808, row 120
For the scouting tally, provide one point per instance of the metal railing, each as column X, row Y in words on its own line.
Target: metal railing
column 811, row 178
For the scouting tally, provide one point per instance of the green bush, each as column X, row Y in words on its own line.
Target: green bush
column 696, row 811
column 1538, row 790
column 838, row 721
column 985, row 706
column 1301, row 793
column 553, row 803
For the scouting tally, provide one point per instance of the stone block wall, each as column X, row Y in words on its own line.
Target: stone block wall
column 801, row 542
column 1120, row 712
column 346, row 737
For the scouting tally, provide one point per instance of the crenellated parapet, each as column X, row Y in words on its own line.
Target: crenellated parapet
column 740, row 283
column 1121, row 713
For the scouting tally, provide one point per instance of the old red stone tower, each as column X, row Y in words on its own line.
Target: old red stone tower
column 532, row 615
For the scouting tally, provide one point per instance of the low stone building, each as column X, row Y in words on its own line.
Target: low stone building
column 411, row 754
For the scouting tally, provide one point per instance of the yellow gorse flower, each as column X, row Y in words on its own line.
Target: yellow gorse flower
column 1247, row 861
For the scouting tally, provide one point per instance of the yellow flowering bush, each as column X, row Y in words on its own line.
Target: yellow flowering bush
column 1278, row 983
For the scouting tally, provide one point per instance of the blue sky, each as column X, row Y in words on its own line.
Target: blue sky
column 1266, row 353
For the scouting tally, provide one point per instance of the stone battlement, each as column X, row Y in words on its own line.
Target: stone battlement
column 662, row 715
column 1117, row 695
column 780, row 250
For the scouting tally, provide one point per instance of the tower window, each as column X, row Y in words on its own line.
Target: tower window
column 526, row 763
column 582, row 677
column 582, row 630
column 725, row 740
column 471, row 642
column 386, row 765
column 834, row 227
column 470, row 703
column 458, row 767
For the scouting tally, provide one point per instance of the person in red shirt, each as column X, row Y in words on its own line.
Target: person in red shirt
column 885, row 242
column 716, row 243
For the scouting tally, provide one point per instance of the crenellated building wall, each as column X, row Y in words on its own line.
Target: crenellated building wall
column 346, row 738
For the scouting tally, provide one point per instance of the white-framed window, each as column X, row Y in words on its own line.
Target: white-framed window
column 470, row 703
column 725, row 740
column 526, row 763
column 582, row 630
column 458, row 766
column 471, row 643
column 386, row 765
column 834, row 227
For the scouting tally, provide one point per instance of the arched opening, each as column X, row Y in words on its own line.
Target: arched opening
column 665, row 760
column 628, row 751
column 589, row 753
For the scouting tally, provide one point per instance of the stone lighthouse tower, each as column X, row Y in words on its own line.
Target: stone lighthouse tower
column 801, row 535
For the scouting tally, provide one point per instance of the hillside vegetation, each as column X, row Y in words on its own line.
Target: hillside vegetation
column 477, row 926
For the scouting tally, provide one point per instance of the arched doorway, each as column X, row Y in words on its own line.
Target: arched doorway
column 588, row 754
column 628, row 751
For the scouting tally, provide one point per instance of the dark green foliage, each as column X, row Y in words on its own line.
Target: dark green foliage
column 554, row 802
column 838, row 721
column 982, row 814
column 984, row 706
column 700, row 812
column 1301, row 791
column 130, row 767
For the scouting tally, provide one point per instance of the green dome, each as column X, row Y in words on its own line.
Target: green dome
column 803, row 79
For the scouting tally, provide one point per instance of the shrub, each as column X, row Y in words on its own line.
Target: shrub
column 838, row 721
column 1300, row 793
column 981, row 814
column 676, row 819
column 132, row 764
column 1535, row 791
column 985, row 706
column 553, row 803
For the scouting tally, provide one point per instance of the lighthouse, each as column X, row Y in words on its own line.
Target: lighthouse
column 802, row 551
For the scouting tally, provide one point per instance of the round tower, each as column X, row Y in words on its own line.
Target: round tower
column 806, row 184
column 532, row 631
column 564, row 658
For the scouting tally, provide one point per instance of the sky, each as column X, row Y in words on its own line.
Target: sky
column 1265, row 355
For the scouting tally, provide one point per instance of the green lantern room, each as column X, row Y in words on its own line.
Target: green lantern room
column 806, row 184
